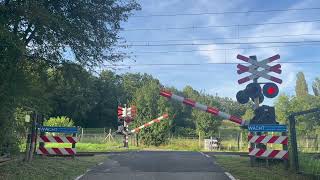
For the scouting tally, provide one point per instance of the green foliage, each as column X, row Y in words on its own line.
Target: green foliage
column 307, row 124
column 151, row 106
column 62, row 121
column 35, row 37
column 185, row 132
column 248, row 115
column 282, row 107
column 301, row 85
column 86, row 30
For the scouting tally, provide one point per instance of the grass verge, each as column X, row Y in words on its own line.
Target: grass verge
column 240, row 168
column 42, row 168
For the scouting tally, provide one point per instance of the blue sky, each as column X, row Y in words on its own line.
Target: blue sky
column 222, row 78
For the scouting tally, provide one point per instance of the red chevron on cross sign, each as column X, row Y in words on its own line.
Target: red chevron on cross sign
column 255, row 65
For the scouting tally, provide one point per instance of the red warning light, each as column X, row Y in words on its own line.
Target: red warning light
column 270, row 90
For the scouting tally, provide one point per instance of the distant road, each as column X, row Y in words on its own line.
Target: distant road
column 157, row 165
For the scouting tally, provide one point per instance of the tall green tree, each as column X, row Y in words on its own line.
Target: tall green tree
column 150, row 106
column 301, row 85
column 316, row 87
column 283, row 108
column 58, row 31
column 38, row 34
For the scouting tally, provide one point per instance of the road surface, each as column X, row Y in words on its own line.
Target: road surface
column 146, row 165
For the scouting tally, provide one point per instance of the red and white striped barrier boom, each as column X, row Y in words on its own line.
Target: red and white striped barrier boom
column 136, row 130
column 56, row 151
column 268, row 139
column 212, row 110
column 269, row 153
column 58, row 139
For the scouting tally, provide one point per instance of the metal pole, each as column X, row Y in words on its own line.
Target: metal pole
column 256, row 106
column 33, row 137
column 293, row 142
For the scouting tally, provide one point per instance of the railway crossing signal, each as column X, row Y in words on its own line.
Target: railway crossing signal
column 253, row 90
column 254, row 69
column 127, row 115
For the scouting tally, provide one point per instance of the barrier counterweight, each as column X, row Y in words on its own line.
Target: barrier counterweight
column 212, row 110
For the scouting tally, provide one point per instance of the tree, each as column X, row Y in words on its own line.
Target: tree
column 282, row 108
column 86, row 30
column 150, row 106
column 316, row 87
column 73, row 93
column 301, row 85
column 36, row 35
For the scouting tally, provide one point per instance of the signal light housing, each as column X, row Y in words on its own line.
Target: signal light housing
column 253, row 90
column 261, row 98
column 270, row 90
column 242, row 97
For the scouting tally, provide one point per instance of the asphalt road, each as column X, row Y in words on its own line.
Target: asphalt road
column 157, row 166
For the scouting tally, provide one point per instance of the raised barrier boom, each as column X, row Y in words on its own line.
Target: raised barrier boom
column 212, row 110
column 136, row 130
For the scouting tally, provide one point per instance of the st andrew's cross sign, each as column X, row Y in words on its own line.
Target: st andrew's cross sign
column 255, row 65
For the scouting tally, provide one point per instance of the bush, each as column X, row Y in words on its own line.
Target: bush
column 185, row 132
column 62, row 121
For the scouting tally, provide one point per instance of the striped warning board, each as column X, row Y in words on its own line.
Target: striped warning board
column 264, row 139
column 56, row 151
column 58, row 139
column 269, row 153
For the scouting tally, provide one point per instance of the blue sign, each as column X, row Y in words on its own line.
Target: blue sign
column 58, row 129
column 267, row 128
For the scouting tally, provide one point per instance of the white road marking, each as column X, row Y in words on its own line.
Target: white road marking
column 230, row 176
column 206, row 155
column 100, row 164
column 79, row 177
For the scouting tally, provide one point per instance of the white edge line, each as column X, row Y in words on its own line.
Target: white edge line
column 79, row 177
column 230, row 176
column 206, row 155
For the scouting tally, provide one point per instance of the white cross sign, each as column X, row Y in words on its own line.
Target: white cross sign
column 255, row 65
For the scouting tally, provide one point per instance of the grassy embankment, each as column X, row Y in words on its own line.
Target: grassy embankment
column 240, row 168
column 43, row 168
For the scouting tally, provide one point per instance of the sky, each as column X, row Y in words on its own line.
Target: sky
column 221, row 79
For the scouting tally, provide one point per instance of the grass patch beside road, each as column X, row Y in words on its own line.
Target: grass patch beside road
column 42, row 168
column 240, row 168
column 95, row 147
